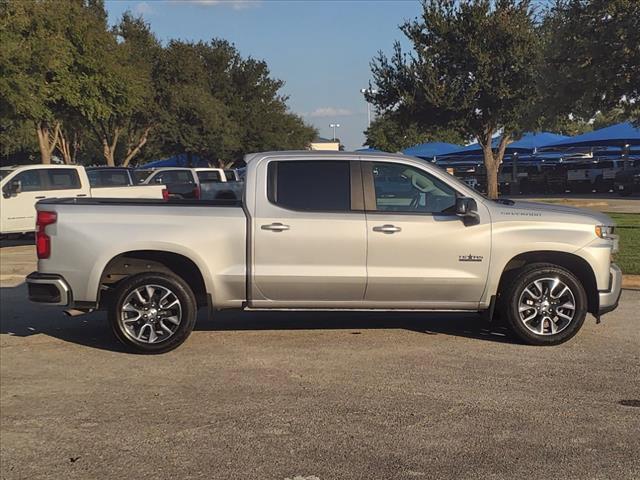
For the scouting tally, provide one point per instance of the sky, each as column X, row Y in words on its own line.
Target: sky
column 321, row 49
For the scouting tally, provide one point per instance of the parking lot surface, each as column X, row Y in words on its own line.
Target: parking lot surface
column 316, row 396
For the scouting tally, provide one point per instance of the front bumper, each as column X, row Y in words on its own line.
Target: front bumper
column 49, row 288
column 608, row 299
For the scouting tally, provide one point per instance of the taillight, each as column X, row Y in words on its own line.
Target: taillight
column 165, row 194
column 196, row 192
column 43, row 241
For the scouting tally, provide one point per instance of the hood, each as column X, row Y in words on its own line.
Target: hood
column 550, row 212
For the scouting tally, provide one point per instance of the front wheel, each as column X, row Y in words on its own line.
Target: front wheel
column 152, row 312
column 544, row 305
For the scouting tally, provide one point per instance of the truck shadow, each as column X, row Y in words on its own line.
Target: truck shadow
column 20, row 318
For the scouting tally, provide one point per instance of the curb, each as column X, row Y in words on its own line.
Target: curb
column 631, row 282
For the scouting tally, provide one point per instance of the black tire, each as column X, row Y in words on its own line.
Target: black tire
column 510, row 303
column 187, row 305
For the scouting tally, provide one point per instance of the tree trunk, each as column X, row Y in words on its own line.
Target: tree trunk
column 68, row 147
column 47, row 140
column 493, row 160
column 109, row 148
column 134, row 149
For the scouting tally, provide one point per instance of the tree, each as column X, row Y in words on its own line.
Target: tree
column 592, row 56
column 116, row 95
column 217, row 105
column 35, row 60
column 472, row 69
column 388, row 133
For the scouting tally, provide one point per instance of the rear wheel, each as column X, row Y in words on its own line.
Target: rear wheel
column 153, row 312
column 544, row 304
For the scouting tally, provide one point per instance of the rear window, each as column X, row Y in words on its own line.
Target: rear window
column 108, row 178
column 230, row 175
column 140, row 176
column 310, row 185
column 174, row 176
column 63, row 178
column 209, row 176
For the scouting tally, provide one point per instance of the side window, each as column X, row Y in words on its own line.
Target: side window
column 230, row 175
column 108, row 178
column 208, row 176
column 174, row 176
column 63, row 178
column 30, row 180
column 402, row 188
column 317, row 186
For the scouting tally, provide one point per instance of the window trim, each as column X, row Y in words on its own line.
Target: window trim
column 370, row 191
column 356, row 194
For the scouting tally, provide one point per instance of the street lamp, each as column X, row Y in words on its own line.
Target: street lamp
column 334, row 126
column 370, row 91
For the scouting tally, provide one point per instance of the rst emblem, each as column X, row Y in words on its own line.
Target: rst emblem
column 470, row 258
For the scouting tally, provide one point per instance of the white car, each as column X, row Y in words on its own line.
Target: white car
column 23, row 186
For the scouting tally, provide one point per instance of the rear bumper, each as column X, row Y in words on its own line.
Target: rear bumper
column 49, row 288
column 609, row 298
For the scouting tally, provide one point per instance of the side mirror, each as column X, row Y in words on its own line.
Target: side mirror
column 12, row 188
column 467, row 208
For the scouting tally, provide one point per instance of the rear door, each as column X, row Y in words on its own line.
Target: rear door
column 420, row 254
column 309, row 235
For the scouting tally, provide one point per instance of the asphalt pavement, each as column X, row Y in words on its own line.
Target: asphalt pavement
column 311, row 396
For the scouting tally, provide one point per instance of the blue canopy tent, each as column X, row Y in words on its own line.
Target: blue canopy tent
column 181, row 160
column 621, row 135
column 431, row 149
column 368, row 149
column 529, row 143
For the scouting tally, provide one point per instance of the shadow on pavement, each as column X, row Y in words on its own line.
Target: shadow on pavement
column 21, row 318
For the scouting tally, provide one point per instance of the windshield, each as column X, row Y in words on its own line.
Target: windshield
column 5, row 171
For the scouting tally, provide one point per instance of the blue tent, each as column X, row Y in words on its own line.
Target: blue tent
column 431, row 149
column 621, row 135
column 528, row 143
column 368, row 149
column 177, row 161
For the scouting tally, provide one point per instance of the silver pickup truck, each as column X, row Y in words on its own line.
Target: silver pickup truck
column 327, row 230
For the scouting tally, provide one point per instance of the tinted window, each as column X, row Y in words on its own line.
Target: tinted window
column 108, row 178
column 209, row 176
column 140, row 176
column 310, row 185
column 63, row 178
column 230, row 175
column 30, row 180
column 401, row 188
column 174, row 176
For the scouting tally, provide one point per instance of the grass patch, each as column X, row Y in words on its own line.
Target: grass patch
column 628, row 227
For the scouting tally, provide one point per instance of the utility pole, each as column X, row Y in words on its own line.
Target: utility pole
column 369, row 91
column 334, row 126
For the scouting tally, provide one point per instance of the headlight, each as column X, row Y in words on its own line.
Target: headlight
column 604, row 231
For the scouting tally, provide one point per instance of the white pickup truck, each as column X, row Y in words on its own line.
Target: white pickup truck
column 327, row 230
column 22, row 186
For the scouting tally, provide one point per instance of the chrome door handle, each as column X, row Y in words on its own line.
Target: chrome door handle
column 275, row 227
column 387, row 229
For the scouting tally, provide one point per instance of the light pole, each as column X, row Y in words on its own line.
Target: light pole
column 370, row 91
column 334, row 126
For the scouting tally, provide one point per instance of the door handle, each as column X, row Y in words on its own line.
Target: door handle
column 387, row 228
column 275, row 227
column 39, row 197
column 81, row 195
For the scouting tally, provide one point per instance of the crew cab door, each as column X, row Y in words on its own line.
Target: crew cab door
column 420, row 253
column 18, row 210
column 308, row 235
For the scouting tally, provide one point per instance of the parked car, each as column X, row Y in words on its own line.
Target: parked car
column 627, row 181
column 316, row 230
column 23, row 186
column 192, row 183
column 592, row 175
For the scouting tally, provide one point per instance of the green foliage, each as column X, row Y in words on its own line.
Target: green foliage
column 111, row 94
column 388, row 133
column 592, row 53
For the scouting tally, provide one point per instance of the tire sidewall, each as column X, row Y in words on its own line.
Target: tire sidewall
column 182, row 292
column 512, row 303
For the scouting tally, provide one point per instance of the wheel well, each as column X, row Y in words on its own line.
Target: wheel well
column 576, row 265
column 140, row 261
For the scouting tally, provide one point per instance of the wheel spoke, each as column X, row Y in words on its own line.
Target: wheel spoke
column 546, row 306
column 160, row 321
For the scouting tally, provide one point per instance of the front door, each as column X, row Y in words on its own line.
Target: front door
column 18, row 211
column 309, row 235
column 420, row 253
